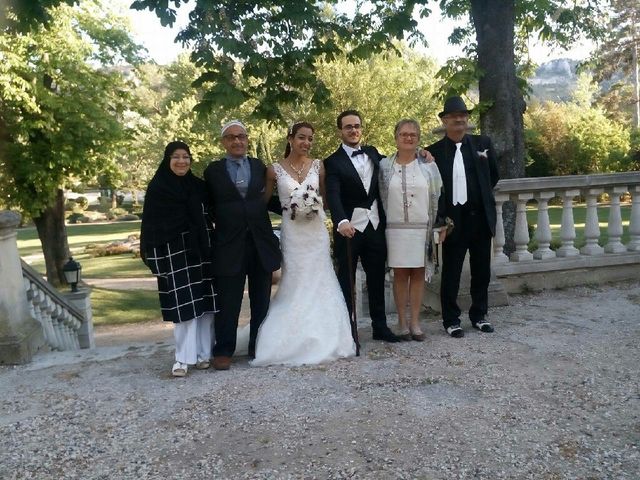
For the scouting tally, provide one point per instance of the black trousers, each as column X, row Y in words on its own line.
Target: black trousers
column 473, row 235
column 370, row 247
column 230, row 290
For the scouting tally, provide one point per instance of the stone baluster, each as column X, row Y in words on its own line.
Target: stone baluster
column 634, row 223
column 76, row 325
column 521, row 235
column 614, row 245
column 568, row 229
column 68, row 340
column 499, row 240
column 72, row 326
column 57, row 326
column 28, row 289
column 543, row 230
column 50, row 310
column 40, row 305
column 592, row 224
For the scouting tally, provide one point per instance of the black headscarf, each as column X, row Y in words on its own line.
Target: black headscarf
column 173, row 205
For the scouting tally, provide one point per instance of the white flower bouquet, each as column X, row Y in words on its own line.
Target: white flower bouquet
column 305, row 202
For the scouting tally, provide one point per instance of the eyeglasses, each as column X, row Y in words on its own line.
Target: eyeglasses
column 180, row 157
column 230, row 138
column 357, row 126
column 408, row 135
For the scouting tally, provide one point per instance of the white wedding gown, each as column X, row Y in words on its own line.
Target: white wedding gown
column 308, row 321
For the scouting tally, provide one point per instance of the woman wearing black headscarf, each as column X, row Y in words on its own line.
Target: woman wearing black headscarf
column 174, row 244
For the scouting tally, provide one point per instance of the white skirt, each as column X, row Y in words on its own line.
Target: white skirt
column 406, row 247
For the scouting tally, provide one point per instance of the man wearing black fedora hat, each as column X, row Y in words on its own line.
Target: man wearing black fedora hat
column 469, row 172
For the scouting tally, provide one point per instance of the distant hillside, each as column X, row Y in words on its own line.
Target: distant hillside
column 554, row 80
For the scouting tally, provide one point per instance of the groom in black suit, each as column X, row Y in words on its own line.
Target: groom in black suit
column 469, row 172
column 244, row 245
column 358, row 217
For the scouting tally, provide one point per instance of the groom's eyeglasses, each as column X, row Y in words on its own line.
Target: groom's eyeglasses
column 356, row 126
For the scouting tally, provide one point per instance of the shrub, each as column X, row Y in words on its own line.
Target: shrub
column 129, row 217
column 114, row 213
column 82, row 202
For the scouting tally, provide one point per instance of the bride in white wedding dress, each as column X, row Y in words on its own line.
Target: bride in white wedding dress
column 308, row 321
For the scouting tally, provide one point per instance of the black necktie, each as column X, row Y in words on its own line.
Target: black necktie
column 357, row 152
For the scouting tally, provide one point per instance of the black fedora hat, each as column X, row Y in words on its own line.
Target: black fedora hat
column 454, row 105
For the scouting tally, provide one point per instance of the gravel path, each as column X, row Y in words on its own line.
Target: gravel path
column 553, row 394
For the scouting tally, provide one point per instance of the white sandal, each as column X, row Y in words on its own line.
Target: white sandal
column 203, row 364
column 179, row 369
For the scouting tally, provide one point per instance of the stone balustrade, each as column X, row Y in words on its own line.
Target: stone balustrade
column 593, row 262
column 61, row 322
column 33, row 314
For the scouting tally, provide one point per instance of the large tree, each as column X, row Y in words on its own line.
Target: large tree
column 61, row 109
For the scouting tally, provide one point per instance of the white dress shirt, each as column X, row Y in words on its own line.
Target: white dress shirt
column 362, row 216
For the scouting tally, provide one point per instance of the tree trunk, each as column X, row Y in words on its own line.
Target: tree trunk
column 53, row 237
column 114, row 198
column 503, row 120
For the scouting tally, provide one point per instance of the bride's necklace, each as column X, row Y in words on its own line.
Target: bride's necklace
column 298, row 171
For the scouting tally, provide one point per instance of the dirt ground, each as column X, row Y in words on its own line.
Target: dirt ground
column 552, row 394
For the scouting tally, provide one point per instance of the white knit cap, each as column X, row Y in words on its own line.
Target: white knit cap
column 232, row 123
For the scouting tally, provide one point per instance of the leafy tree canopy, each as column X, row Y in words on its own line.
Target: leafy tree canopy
column 278, row 44
column 21, row 15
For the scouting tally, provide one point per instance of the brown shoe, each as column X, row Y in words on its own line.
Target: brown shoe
column 221, row 363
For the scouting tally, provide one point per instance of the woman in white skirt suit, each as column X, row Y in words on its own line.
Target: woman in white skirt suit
column 410, row 188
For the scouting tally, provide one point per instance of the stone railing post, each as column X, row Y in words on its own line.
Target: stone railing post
column 592, row 224
column 521, row 234
column 634, row 221
column 614, row 245
column 543, row 231
column 499, row 240
column 82, row 301
column 20, row 334
column 568, row 229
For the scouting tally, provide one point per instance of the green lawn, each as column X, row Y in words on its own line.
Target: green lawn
column 114, row 266
column 79, row 235
column 111, row 307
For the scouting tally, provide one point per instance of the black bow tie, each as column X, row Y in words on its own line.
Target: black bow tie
column 357, row 152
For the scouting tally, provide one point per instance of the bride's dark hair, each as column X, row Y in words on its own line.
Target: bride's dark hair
column 292, row 133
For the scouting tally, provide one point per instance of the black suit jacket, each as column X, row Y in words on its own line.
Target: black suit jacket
column 486, row 168
column 235, row 217
column 345, row 191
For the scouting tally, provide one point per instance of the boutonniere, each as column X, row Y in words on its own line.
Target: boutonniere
column 483, row 153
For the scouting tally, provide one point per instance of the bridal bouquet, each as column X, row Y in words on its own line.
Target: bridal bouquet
column 305, row 202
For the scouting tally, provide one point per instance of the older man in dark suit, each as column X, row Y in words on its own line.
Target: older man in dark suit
column 469, row 172
column 358, row 218
column 244, row 245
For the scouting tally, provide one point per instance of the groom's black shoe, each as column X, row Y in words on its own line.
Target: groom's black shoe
column 385, row 335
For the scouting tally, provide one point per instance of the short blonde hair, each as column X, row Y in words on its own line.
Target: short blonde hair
column 403, row 122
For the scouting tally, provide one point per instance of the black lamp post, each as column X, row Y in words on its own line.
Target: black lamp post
column 72, row 270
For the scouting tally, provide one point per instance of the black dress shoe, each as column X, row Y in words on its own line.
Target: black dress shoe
column 386, row 335
column 483, row 326
column 455, row 331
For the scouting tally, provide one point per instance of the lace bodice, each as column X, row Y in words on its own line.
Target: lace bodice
column 287, row 184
